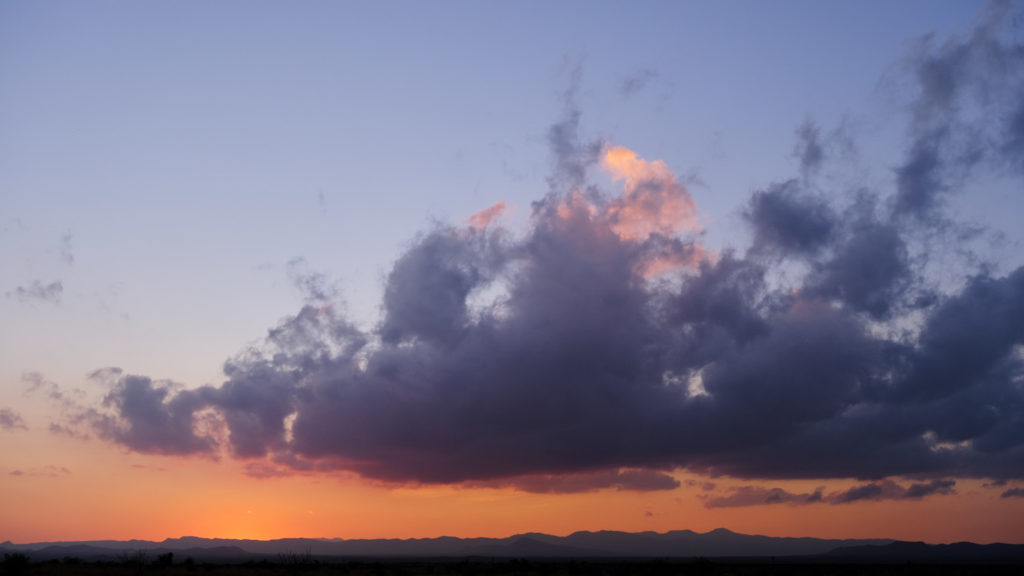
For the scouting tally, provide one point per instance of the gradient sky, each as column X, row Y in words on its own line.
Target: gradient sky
column 394, row 269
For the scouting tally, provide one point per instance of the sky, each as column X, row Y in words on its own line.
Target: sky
column 397, row 269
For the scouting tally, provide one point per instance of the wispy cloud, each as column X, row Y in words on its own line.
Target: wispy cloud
column 637, row 480
column 889, row 490
column 483, row 218
column 67, row 248
column 881, row 490
column 38, row 291
column 636, row 81
column 42, row 472
column 759, row 495
column 11, row 420
column 967, row 115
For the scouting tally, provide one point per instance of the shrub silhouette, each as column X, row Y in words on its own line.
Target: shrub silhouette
column 134, row 558
column 165, row 559
column 295, row 559
column 15, row 563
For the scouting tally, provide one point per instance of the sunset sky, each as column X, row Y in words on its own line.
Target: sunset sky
column 412, row 269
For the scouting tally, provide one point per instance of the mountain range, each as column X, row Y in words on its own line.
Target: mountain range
column 681, row 544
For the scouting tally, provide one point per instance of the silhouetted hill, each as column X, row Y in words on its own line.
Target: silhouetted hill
column 528, row 547
column 676, row 544
column 686, row 543
column 680, row 544
column 150, row 550
column 958, row 553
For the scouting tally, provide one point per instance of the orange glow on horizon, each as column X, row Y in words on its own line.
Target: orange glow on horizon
column 117, row 495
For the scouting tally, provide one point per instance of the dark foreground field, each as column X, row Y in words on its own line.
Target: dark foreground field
column 698, row 567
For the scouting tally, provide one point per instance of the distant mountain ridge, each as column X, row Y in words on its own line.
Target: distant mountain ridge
column 959, row 552
column 720, row 543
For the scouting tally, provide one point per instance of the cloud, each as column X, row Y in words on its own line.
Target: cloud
column 73, row 413
column 635, row 82
column 653, row 203
column 809, row 148
column 889, row 490
column 826, row 350
column 651, row 213
column 483, row 218
column 786, row 220
column 572, row 156
column 262, row 469
column 67, row 248
column 427, row 290
column 966, row 112
column 870, row 270
column 704, row 485
column 148, row 467
column 1013, row 493
column 313, row 286
column 638, row 480
column 152, row 418
column 11, row 420
column 580, row 369
column 758, row 495
column 38, row 291
column 882, row 490
column 43, row 472
column 920, row 490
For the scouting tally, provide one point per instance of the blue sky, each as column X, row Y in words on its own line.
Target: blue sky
column 189, row 151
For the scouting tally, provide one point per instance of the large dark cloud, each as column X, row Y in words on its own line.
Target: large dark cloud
column 556, row 360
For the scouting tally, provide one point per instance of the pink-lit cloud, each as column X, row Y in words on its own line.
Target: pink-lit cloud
column 654, row 201
column 483, row 218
